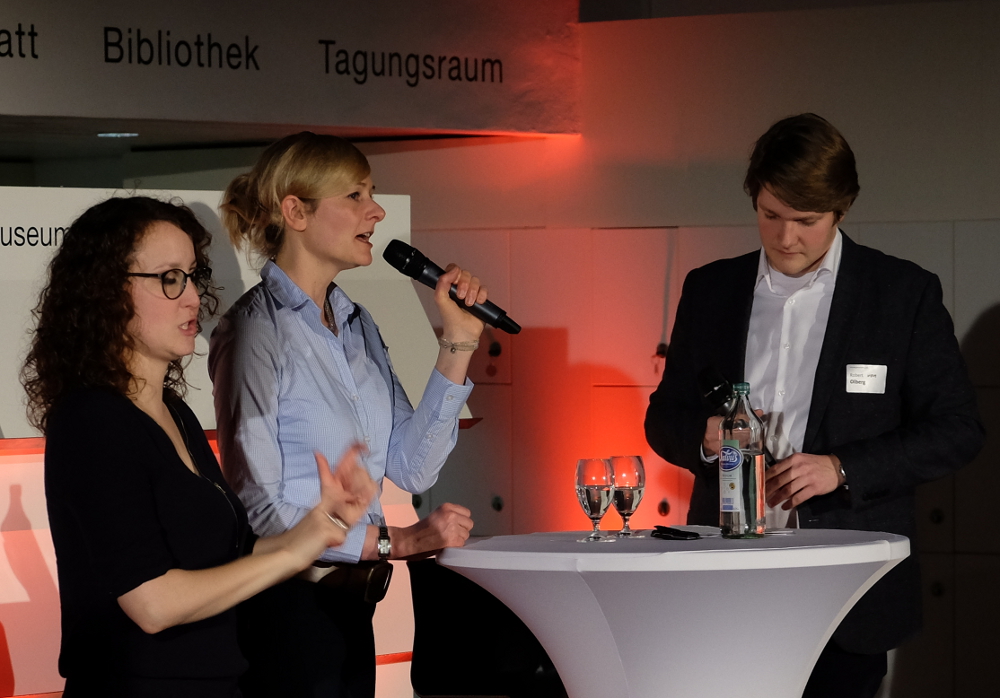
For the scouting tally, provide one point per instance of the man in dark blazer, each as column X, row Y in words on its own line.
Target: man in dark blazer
column 853, row 451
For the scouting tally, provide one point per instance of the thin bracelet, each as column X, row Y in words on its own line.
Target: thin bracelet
column 337, row 521
column 458, row 346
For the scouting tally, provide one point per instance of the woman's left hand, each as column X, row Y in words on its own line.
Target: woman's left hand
column 459, row 325
column 346, row 491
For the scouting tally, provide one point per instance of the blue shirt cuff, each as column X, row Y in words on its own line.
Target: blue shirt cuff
column 352, row 548
column 447, row 396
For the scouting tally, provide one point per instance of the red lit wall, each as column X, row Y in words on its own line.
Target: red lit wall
column 29, row 597
column 575, row 232
column 576, row 381
column 670, row 109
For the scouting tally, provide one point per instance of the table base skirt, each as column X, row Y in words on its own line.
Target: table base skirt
column 683, row 634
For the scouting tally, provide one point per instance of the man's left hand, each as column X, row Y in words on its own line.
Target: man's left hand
column 801, row 476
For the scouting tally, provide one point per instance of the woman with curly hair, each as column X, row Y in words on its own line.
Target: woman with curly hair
column 153, row 549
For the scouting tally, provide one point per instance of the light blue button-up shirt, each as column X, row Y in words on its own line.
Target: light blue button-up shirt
column 286, row 386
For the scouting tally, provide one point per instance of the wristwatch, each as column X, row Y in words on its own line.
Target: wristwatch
column 843, row 476
column 384, row 544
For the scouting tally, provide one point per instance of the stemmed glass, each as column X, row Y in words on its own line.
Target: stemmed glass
column 630, row 483
column 594, row 489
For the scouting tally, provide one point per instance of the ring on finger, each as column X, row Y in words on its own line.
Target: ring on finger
column 337, row 521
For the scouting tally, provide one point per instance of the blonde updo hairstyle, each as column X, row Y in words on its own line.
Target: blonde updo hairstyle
column 307, row 165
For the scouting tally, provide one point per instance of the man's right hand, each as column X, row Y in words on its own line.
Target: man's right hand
column 712, row 444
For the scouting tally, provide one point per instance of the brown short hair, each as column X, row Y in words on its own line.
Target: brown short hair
column 805, row 162
column 307, row 165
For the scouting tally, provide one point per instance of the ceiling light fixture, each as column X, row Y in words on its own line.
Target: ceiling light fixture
column 115, row 134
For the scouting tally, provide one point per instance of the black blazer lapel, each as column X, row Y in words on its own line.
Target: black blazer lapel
column 830, row 372
column 737, row 316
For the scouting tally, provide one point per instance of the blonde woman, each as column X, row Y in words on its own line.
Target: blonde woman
column 297, row 365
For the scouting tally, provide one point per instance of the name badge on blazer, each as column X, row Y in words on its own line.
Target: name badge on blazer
column 866, row 378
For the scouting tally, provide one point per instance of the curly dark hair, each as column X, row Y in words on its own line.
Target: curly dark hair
column 81, row 339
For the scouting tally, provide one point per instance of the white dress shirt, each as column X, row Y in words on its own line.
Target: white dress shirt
column 787, row 326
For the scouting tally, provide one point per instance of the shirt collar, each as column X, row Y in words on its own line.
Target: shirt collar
column 829, row 265
column 281, row 287
column 344, row 309
column 287, row 292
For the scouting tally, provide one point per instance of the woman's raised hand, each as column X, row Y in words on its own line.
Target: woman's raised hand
column 182, row 596
column 344, row 497
column 346, row 492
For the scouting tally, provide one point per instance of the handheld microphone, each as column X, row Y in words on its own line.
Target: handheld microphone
column 411, row 262
column 718, row 394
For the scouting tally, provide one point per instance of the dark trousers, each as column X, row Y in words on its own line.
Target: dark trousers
column 306, row 640
column 841, row 674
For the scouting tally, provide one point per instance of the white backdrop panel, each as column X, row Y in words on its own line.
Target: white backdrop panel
column 31, row 216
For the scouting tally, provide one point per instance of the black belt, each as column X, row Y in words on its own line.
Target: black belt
column 367, row 579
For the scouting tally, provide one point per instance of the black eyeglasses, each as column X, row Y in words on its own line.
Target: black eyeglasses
column 174, row 281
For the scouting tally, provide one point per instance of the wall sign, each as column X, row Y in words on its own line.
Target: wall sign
column 447, row 65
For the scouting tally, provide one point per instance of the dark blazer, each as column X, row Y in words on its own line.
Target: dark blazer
column 885, row 311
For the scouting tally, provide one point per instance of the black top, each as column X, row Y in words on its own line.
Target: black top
column 124, row 509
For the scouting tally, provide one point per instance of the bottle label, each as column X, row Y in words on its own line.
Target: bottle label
column 730, row 476
column 731, row 457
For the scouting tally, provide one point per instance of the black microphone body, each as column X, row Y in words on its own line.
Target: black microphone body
column 717, row 393
column 411, row 262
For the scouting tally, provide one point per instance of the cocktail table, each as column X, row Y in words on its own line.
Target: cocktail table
column 649, row 618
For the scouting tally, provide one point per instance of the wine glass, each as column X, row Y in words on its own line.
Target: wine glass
column 594, row 488
column 630, row 483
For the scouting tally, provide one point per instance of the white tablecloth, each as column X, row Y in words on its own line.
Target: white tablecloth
column 650, row 618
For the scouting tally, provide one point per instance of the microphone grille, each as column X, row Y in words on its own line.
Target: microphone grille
column 404, row 258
